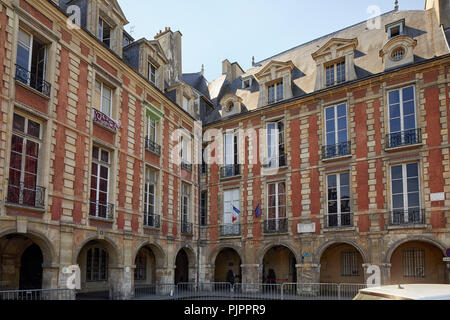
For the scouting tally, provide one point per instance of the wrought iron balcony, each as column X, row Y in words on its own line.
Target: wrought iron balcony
column 26, row 195
column 407, row 217
column 103, row 211
column 404, row 138
column 229, row 171
column 152, row 146
column 152, row 221
column 274, row 226
column 186, row 166
column 276, row 162
column 343, row 220
column 230, row 230
column 335, row 151
column 187, row 228
column 104, row 120
column 32, row 80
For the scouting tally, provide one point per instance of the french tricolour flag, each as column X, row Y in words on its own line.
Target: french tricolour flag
column 237, row 211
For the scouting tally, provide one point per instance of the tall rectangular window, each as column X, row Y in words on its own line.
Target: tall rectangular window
column 31, row 63
column 99, row 194
column 275, row 92
column 275, row 144
column 104, row 32
column 204, row 209
column 336, row 131
column 150, row 197
column 405, row 191
column 185, row 202
column 335, row 73
column 276, row 203
column 96, row 265
column 231, row 199
column 24, row 163
column 414, row 263
column 231, row 155
column 152, row 73
column 350, row 264
column 185, row 150
column 186, row 102
column 339, row 210
column 402, row 117
column 103, row 98
column 151, row 129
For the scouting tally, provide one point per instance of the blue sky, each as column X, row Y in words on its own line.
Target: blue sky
column 239, row 29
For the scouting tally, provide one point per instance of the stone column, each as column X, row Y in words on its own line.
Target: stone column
column 50, row 276
column 251, row 273
column 308, row 273
column 208, row 273
column 386, row 273
column 120, row 283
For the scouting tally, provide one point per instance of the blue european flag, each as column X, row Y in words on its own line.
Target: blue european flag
column 258, row 211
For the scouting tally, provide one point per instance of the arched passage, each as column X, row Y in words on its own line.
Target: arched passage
column 145, row 262
column 279, row 266
column 341, row 263
column 418, row 262
column 24, row 259
column 182, row 267
column 98, row 261
column 227, row 266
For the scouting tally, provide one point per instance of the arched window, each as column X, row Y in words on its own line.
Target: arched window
column 398, row 54
column 97, row 265
column 141, row 266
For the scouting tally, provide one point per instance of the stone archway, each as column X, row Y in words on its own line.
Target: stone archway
column 279, row 265
column 341, row 263
column 100, row 273
column 26, row 262
column 181, row 267
column 418, row 261
column 227, row 266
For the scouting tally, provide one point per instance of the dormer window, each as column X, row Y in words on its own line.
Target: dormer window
column 104, row 32
column 186, row 102
column 335, row 73
column 275, row 92
column 152, row 73
column 398, row 54
column 395, row 29
column 247, row 83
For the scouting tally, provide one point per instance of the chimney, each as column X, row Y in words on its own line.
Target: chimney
column 232, row 70
column 172, row 45
column 442, row 9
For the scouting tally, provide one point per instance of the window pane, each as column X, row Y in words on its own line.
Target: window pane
column 34, row 129
column 412, row 170
column 397, row 187
column 413, row 200
column 395, row 125
column 397, row 172
column 394, row 111
column 408, row 108
column 413, row 185
column 345, row 179
column 329, row 113
column 342, row 110
column 394, row 97
column 410, row 122
column 398, row 202
column 408, row 94
column 19, row 123
column 332, row 181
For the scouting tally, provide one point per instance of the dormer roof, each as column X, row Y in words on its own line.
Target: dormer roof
column 274, row 65
column 333, row 45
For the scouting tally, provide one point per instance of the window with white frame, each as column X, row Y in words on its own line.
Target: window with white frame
column 185, row 150
column 405, row 190
column 335, row 73
column 395, row 30
column 336, row 134
column 402, row 117
column 276, row 205
column 96, row 265
column 152, row 129
column 414, row 263
column 247, row 83
column 31, row 62
column 24, row 162
column 151, row 178
column 152, row 73
column 103, row 98
column 230, row 201
column 275, row 92
column 104, row 32
column 99, row 192
column 338, row 197
column 275, row 144
column 185, row 203
column 231, row 155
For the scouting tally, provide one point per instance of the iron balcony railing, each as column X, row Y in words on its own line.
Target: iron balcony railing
column 152, row 146
column 273, row 226
column 33, row 80
column 230, row 230
column 335, row 151
column 26, row 195
column 343, row 220
column 186, row 166
column 229, row 171
column 407, row 217
column 101, row 210
column 152, row 221
column 187, row 228
column 404, row 138
column 276, row 162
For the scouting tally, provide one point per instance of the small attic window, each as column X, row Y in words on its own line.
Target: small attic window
column 395, row 29
column 398, row 54
column 104, row 32
column 229, row 106
column 246, row 83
